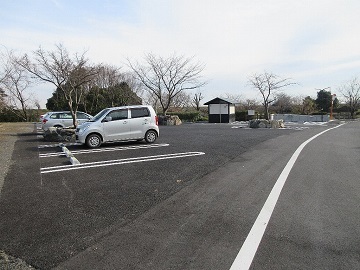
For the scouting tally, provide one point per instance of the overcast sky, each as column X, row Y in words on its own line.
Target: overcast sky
column 314, row 42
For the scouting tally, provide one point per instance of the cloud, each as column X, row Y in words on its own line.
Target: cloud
column 314, row 42
column 57, row 4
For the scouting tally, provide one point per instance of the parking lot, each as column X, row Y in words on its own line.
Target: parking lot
column 54, row 209
column 90, row 158
column 112, row 154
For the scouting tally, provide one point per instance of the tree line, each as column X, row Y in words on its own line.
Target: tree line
column 162, row 82
column 78, row 83
column 81, row 85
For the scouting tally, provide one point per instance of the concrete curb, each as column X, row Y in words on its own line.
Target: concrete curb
column 73, row 159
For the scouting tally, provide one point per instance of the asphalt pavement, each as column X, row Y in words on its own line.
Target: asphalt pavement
column 316, row 222
column 187, row 202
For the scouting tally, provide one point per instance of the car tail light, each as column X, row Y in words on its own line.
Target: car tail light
column 44, row 121
column 157, row 120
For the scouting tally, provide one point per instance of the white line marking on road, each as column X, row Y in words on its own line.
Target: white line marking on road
column 48, row 146
column 247, row 252
column 56, row 145
column 118, row 162
column 99, row 150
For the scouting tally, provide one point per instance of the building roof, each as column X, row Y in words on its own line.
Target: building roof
column 219, row 101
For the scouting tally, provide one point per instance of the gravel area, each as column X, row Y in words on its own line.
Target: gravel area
column 11, row 263
column 8, row 137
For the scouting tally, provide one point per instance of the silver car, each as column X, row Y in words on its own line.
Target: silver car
column 63, row 119
column 119, row 124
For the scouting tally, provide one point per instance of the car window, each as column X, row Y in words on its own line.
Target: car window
column 118, row 115
column 54, row 116
column 65, row 116
column 139, row 112
column 99, row 115
column 81, row 115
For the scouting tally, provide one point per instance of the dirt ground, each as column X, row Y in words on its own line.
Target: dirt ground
column 8, row 137
column 11, row 129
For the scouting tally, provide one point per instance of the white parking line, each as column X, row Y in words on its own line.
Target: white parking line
column 247, row 252
column 56, row 145
column 110, row 149
column 118, row 162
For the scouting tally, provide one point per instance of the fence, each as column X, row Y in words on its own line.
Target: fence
column 300, row 118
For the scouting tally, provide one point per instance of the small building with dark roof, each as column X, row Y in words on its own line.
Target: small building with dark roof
column 221, row 110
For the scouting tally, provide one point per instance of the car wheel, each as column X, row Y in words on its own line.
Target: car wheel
column 93, row 141
column 150, row 136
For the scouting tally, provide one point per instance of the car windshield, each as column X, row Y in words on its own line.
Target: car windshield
column 99, row 115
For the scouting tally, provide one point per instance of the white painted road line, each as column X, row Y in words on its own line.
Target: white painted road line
column 118, row 162
column 99, row 150
column 247, row 252
column 56, row 145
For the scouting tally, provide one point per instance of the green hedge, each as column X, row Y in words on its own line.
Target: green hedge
column 7, row 115
column 197, row 116
column 243, row 116
column 189, row 116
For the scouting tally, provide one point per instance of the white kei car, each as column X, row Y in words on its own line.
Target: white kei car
column 138, row 122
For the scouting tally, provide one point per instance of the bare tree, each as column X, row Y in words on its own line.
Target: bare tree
column 351, row 93
column 107, row 78
column 182, row 100
column 4, row 66
column 197, row 99
column 150, row 99
column 15, row 85
column 134, row 84
column 119, row 87
column 282, row 103
column 267, row 84
column 69, row 74
column 233, row 98
column 250, row 104
column 4, row 73
column 166, row 78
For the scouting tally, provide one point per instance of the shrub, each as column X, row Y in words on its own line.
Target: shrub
column 188, row 116
column 243, row 116
column 10, row 115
